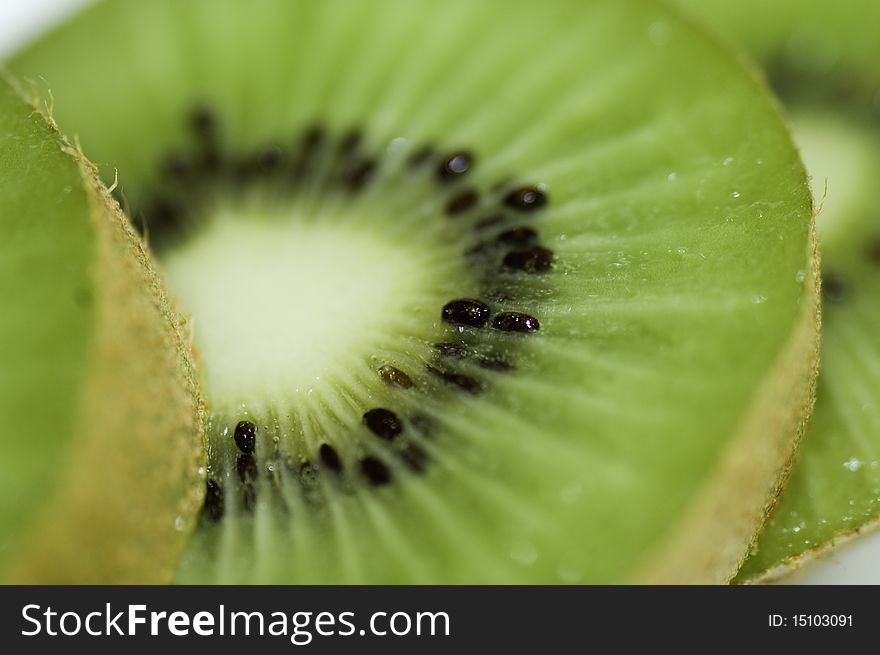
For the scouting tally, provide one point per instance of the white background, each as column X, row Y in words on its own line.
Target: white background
column 855, row 563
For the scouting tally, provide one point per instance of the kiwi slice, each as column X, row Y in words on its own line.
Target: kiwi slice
column 483, row 293
column 824, row 61
column 102, row 416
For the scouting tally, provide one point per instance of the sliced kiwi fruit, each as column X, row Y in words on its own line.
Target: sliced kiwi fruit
column 483, row 292
column 824, row 61
column 101, row 413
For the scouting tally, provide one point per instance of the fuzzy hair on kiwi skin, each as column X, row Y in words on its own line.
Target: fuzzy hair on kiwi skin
column 130, row 494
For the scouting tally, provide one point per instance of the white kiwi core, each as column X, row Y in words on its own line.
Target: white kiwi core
column 281, row 307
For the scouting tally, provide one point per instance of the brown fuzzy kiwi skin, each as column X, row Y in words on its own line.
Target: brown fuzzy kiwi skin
column 762, row 450
column 131, row 491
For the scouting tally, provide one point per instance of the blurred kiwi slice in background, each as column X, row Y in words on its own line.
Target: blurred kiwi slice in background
column 102, row 418
column 823, row 59
column 483, row 292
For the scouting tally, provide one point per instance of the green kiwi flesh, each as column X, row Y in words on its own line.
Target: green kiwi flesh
column 619, row 403
column 824, row 61
column 103, row 424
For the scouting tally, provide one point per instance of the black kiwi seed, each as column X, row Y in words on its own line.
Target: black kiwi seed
column 420, row 156
column 310, row 141
column 350, row 141
column 463, row 382
column 245, row 436
column 383, row 423
column 358, row 175
column 208, row 158
column 518, row 236
column 527, row 198
column 455, row 165
column 393, row 376
column 213, row 507
column 833, row 287
column 330, row 458
column 531, row 260
column 203, row 122
column 312, row 138
column 415, row 457
column 375, row 470
column 466, row 312
column 515, row 322
column 461, row 202
column 270, row 159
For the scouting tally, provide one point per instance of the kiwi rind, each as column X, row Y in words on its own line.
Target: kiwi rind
column 784, row 405
column 616, row 533
column 126, row 490
column 824, row 62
